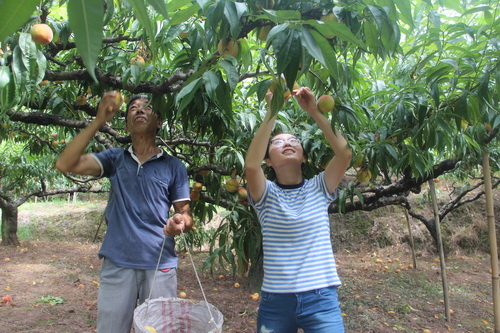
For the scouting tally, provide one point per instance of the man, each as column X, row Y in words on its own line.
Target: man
column 145, row 183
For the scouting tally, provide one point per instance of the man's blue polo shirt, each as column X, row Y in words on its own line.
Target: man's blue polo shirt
column 138, row 207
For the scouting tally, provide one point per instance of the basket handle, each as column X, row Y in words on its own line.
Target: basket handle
column 212, row 320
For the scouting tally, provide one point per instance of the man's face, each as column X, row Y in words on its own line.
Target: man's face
column 141, row 117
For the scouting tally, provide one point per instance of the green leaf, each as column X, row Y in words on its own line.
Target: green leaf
column 9, row 95
column 51, row 300
column 360, row 196
column 140, row 11
column 477, row 9
column 184, row 14
column 174, row 5
column 108, row 15
column 41, row 62
column 342, row 200
column 19, row 72
column 159, row 6
column 285, row 46
column 231, row 73
column 86, row 21
column 310, row 44
column 4, row 76
column 329, row 56
column 187, row 93
column 201, row 3
column 338, row 29
column 224, row 98
column 435, row 19
column 233, row 12
column 391, row 151
column 211, row 81
column 370, row 31
column 14, row 14
column 245, row 55
column 435, row 93
column 404, row 7
column 488, row 17
column 215, row 15
column 28, row 51
column 438, row 71
column 276, row 30
column 281, row 16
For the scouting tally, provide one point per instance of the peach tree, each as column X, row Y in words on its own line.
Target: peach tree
column 415, row 85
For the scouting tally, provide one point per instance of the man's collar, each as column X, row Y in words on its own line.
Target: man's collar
column 130, row 149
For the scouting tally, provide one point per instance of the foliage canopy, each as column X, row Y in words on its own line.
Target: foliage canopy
column 416, row 83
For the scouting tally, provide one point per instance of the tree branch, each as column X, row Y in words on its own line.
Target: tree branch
column 170, row 85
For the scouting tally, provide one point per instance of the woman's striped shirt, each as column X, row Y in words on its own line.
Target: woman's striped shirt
column 298, row 253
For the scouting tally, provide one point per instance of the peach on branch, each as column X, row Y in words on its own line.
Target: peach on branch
column 263, row 32
column 232, row 185
column 81, row 100
column 194, row 195
column 242, row 193
column 119, row 99
column 41, row 33
column 137, row 60
column 197, row 186
column 363, row 175
column 330, row 17
column 228, row 47
column 360, row 158
column 326, row 103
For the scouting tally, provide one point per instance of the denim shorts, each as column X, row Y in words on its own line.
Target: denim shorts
column 315, row 311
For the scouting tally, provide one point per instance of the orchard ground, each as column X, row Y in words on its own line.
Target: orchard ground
column 53, row 279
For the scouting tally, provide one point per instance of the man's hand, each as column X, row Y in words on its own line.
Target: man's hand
column 175, row 225
column 109, row 105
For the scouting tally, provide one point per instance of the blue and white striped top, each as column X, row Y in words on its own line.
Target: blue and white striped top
column 298, row 253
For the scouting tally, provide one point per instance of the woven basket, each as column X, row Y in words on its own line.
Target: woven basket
column 177, row 315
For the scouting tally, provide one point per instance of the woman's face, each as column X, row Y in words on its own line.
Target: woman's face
column 285, row 149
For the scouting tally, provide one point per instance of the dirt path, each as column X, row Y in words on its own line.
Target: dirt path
column 54, row 289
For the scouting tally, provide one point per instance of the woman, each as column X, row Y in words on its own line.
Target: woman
column 300, row 277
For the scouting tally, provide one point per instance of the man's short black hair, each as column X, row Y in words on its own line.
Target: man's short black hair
column 138, row 96
column 132, row 99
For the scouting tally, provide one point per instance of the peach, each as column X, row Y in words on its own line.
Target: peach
column 41, row 33
column 325, row 103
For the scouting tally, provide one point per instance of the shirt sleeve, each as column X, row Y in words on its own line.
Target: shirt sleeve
column 320, row 180
column 259, row 203
column 106, row 161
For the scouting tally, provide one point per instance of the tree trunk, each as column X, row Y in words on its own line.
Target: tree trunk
column 410, row 235
column 490, row 213
column 440, row 249
column 9, row 225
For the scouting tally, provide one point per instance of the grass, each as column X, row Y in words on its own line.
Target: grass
column 60, row 220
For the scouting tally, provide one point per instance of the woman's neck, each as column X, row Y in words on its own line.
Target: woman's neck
column 289, row 176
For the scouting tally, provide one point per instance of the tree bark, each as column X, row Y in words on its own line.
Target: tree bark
column 444, row 279
column 490, row 215
column 9, row 225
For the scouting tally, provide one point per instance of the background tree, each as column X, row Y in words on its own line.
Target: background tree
column 416, row 85
column 24, row 174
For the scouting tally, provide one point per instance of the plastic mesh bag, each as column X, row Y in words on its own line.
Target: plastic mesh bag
column 177, row 315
